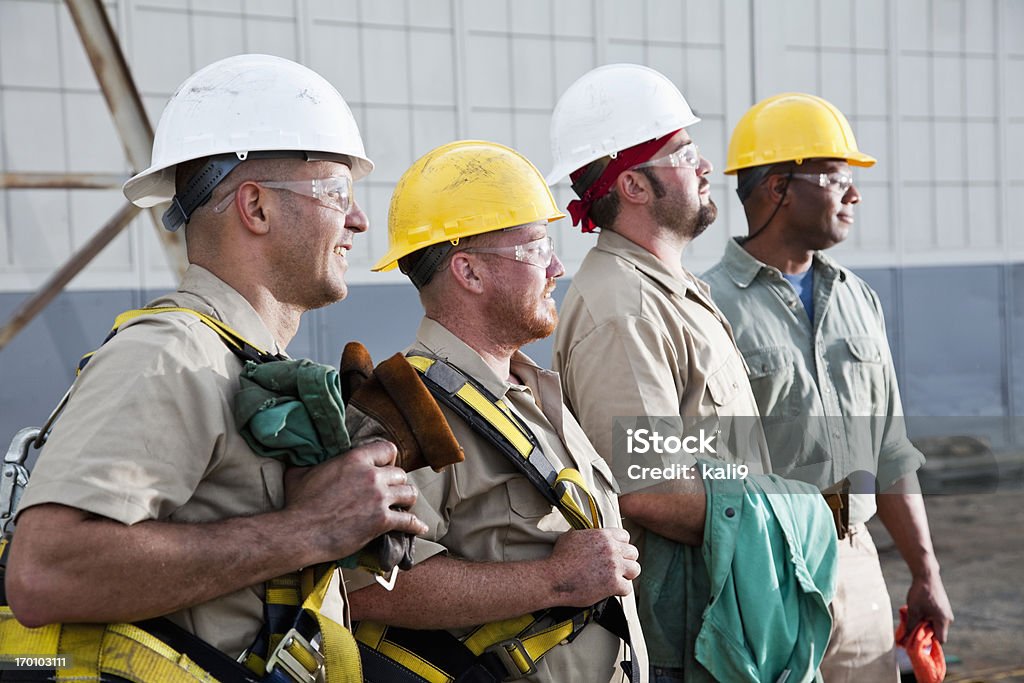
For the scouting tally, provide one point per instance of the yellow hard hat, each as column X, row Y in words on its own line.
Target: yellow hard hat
column 792, row 126
column 460, row 189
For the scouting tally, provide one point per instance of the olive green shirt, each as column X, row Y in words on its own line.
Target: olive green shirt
column 826, row 388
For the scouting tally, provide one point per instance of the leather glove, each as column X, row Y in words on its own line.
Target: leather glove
column 392, row 403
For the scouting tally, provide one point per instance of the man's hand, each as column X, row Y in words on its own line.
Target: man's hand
column 927, row 601
column 593, row 564
column 351, row 499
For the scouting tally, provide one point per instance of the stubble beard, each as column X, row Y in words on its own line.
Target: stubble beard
column 525, row 324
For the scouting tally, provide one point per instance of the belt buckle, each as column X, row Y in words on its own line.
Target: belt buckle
column 507, row 652
column 288, row 662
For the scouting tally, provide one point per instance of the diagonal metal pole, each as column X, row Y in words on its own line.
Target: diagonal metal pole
column 125, row 105
column 79, row 260
column 39, row 181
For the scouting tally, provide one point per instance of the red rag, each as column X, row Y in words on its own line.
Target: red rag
column 924, row 650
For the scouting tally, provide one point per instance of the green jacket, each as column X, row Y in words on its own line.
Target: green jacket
column 770, row 548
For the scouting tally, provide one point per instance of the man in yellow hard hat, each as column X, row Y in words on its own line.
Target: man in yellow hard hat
column 146, row 501
column 813, row 337
column 526, row 571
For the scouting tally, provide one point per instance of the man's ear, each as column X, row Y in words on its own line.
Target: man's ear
column 255, row 205
column 633, row 187
column 776, row 188
column 466, row 271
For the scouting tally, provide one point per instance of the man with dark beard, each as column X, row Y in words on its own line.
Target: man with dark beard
column 639, row 335
column 504, row 582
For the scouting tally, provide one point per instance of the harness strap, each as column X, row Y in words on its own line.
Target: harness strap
column 239, row 345
column 489, row 416
column 154, row 650
column 507, row 649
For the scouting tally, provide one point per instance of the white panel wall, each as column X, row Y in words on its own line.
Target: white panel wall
column 933, row 88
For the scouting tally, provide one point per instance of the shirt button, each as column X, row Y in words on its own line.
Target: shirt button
column 835, row 434
column 730, row 512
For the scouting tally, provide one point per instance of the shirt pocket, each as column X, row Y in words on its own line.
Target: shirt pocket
column 603, row 475
column 772, row 375
column 529, row 535
column 525, row 500
column 861, row 365
column 724, row 384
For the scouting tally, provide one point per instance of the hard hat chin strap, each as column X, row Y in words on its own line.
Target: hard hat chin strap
column 200, row 186
column 198, row 189
column 423, row 271
column 785, row 189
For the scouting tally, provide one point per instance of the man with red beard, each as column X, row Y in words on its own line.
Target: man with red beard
column 639, row 335
column 814, row 340
column 526, row 571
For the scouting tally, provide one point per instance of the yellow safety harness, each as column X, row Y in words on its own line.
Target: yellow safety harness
column 296, row 643
column 507, row 649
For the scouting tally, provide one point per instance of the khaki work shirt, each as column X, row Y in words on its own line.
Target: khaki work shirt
column 827, row 390
column 484, row 510
column 148, row 434
column 634, row 340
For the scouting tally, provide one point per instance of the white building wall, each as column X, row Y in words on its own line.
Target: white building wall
column 933, row 88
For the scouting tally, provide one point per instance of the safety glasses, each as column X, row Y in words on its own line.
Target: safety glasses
column 687, row 156
column 334, row 192
column 842, row 181
column 540, row 252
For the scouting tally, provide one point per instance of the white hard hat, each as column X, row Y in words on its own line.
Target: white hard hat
column 613, row 108
column 243, row 104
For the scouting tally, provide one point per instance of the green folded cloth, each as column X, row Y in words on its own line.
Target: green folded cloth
column 292, row 410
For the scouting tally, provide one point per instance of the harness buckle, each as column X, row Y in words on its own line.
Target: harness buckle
column 289, row 663
column 14, row 475
column 513, row 656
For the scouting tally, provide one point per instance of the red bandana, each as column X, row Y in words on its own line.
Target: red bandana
column 579, row 209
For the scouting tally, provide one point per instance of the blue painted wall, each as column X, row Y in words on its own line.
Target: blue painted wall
column 952, row 331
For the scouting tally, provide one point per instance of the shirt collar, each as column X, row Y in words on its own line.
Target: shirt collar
column 543, row 384
column 743, row 268
column 228, row 306
column 647, row 263
column 441, row 342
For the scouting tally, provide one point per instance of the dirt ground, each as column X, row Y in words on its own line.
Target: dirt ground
column 979, row 540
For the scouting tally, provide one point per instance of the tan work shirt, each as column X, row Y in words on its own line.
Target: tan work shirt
column 148, row 434
column 484, row 510
column 634, row 340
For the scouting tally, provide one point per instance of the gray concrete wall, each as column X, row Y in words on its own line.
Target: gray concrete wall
column 952, row 331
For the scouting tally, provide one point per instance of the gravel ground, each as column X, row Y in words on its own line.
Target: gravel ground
column 979, row 540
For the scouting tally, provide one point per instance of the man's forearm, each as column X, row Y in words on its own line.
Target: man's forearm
column 901, row 509
column 442, row 592
column 674, row 510
column 69, row 566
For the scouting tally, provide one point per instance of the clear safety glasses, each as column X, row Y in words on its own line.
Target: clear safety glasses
column 837, row 180
column 334, row 193
column 687, row 156
column 540, row 252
